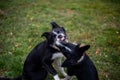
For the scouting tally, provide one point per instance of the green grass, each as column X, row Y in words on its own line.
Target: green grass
column 94, row 22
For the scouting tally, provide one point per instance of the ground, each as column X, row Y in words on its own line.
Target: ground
column 94, row 22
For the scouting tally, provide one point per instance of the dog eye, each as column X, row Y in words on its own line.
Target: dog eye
column 58, row 31
column 60, row 36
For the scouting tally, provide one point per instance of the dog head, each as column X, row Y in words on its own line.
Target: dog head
column 76, row 55
column 59, row 33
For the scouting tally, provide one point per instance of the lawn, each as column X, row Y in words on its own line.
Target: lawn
column 94, row 22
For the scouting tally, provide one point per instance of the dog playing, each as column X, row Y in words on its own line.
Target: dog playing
column 39, row 61
column 78, row 63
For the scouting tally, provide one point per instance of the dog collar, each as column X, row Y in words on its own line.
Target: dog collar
column 81, row 59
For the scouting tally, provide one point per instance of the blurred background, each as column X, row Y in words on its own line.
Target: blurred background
column 94, row 22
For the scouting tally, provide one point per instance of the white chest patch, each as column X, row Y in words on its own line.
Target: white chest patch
column 57, row 55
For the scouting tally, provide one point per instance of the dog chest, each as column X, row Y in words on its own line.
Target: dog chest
column 57, row 55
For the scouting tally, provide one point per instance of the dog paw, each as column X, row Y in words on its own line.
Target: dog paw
column 68, row 77
column 63, row 79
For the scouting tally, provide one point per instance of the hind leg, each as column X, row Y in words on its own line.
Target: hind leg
column 58, row 66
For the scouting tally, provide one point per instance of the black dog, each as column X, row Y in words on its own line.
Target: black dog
column 77, row 62
column 39, row 61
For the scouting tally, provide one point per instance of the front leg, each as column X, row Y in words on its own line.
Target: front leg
column 58, row 63
column 48, row 66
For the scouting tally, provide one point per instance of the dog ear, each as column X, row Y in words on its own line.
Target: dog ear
column 54, row 25
column 84, row 48
column 47, row 35
column 63, row 28
column 77, row 46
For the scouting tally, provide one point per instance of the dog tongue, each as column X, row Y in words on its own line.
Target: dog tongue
column 62, row 39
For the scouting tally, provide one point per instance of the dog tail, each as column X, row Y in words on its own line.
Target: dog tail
column 5, row 78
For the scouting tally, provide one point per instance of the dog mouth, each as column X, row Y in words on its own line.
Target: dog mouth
column 62, row 38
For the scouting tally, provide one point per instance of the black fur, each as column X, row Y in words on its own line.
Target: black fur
column 84, row 70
